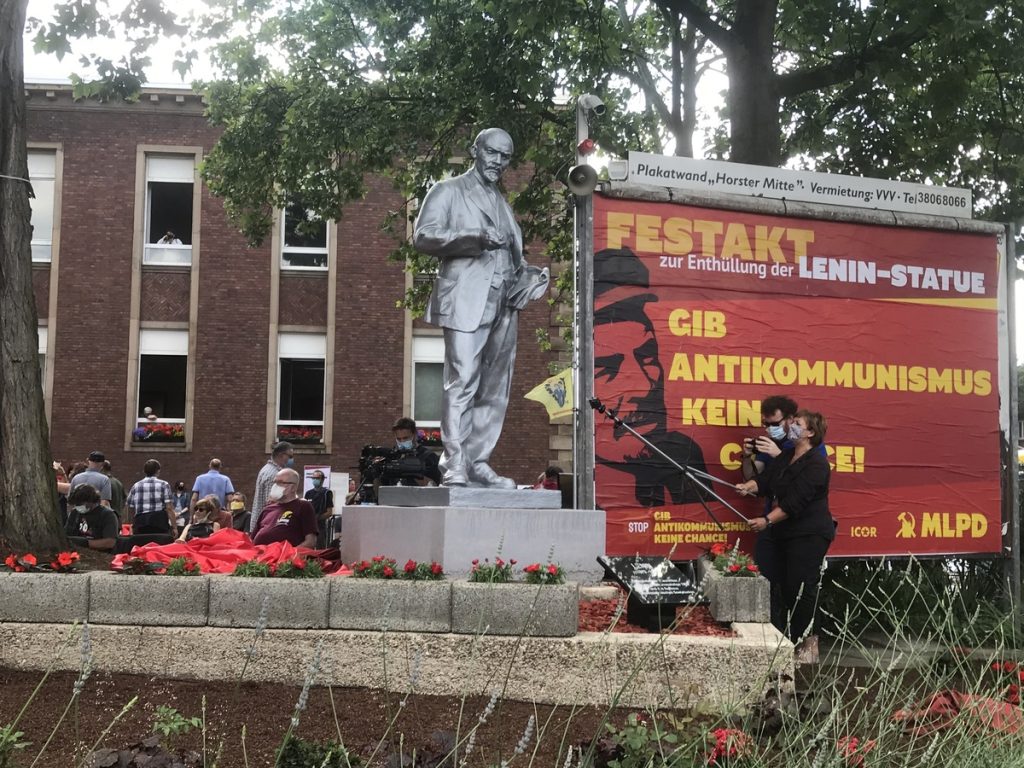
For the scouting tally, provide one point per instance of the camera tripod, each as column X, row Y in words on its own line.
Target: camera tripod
column 695, row 476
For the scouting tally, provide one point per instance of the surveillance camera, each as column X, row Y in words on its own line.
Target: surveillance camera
column 588, row 102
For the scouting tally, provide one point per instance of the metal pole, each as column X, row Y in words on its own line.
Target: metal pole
column 583, row 437
column 1013, row 535
column 583, row 338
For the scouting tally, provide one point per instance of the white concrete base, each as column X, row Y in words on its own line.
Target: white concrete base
column 591, row 668
column 477, row 498
column 455, row 536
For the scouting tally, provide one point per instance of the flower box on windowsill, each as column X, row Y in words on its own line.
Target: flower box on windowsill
column 159, row 433
column 431, row 438
column 301, row 435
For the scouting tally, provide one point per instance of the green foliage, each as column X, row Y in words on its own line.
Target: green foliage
column 424, row 571
column 377, row 567
column 10, row 741
column 182, row 566
column 137, row 566
column 299, row 568
column 170, row 723
column 252, row 568
column 299, row 753
column 551, row 573
column 498, row 572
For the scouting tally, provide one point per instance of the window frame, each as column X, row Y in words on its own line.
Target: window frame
column 50, row 177
column 286, row 351
column 285, row 266
column 163, row 349
column 427, row 350
column 150, row 250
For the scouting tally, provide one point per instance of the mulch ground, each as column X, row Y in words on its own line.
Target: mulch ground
column 361, row 716
column 599, row 615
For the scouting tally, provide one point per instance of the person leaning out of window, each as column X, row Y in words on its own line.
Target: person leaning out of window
column 799, row 523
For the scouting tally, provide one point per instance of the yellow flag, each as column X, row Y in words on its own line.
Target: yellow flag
column 555, row 394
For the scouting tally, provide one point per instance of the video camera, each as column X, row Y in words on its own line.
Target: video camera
column 390, row 465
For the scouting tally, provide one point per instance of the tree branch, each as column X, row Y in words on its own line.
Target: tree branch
column 703, row 21
column 845, row 66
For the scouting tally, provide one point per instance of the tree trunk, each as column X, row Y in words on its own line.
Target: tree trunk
column 753, row 98
column 29, row 520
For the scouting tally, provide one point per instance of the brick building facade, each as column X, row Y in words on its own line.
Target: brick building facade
column 230, row 346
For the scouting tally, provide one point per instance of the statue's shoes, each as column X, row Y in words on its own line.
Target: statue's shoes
column 455, row 476
column 482, row 474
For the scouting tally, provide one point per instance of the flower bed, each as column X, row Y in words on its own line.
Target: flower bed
column 600, row 615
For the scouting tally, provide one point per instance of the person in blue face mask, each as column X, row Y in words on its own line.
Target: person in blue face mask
column 406, row 440
column 322, row 500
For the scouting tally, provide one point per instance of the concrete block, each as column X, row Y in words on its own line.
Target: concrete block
column 236, row 601
column 736, row 598
column 515, row 609
column 402, row 606
column 455, row 536
column 44, row 597
column 162, row 601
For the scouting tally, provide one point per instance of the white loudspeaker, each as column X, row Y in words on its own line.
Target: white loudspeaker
column 582, row 180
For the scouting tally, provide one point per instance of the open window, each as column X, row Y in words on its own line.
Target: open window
column 304, row 239
column 42, row 172
column 427, row 380
column 163, row 376
column 169, row 186
column 300, row 390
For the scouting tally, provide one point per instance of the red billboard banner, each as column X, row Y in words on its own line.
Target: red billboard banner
column 890, row 332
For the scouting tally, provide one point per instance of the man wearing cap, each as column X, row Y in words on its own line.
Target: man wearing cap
column 94, row 476
column 629, row 379
column 482, row 283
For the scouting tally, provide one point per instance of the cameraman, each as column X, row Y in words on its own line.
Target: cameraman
column 406, row 441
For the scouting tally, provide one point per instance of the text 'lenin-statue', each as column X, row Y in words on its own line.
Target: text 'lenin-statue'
column 482, row 283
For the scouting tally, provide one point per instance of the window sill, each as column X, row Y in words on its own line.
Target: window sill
column 151, row 447
column 148, row 266
column 289, row 271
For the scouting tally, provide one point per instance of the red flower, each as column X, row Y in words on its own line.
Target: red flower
column 718, row 548
column 552, row 569
column 67, row 558
column 388, row 572
column 734, row 569
column 752, row 568
column 28, row 558
column 853, row 749
column 191, row 565
column 1008, row 666
column 435, row 569
column 299, row 563
column 511, row 562
column 476, row 562
column 378, row 558
column 12, row 562
column 499, row 561
column 410, row 566
column 1020, row 675
column 532, row 568
column 997, row 666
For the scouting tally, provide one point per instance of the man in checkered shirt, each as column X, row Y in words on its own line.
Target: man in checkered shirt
column 150, row 503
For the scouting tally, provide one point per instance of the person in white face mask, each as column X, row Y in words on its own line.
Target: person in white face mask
column 90, row 524
column 802, row 529
column 286, row 517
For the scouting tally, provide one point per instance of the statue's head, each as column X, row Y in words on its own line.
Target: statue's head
column 491, row 153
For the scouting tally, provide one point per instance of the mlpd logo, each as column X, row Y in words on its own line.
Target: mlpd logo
column 557, row 391
column 943, row 525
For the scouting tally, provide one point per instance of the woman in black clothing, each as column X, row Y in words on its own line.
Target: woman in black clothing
column 799, row 525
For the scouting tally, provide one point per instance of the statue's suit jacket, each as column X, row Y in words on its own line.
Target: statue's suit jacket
column 448, row 227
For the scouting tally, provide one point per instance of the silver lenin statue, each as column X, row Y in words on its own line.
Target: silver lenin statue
column 481, row 285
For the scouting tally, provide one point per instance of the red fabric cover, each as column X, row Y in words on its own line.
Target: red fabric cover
column 981, row 713
column 222, row 551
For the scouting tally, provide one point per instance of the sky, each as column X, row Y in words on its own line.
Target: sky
column 46, row 67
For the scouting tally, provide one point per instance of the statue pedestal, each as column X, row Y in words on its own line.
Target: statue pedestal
column 456, row 535
column 478, row 498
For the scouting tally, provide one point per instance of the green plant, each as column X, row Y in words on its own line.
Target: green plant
column 299, row 753
column 170, row 723
column 137, row 566
column 10, row 741
column 414, row 571
column 253, row 568
column 182, row 566
column 498, row 572
column 299, row 568
column 733, row 561
column 377, row 567
column 551, row 573
column 640, row 742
